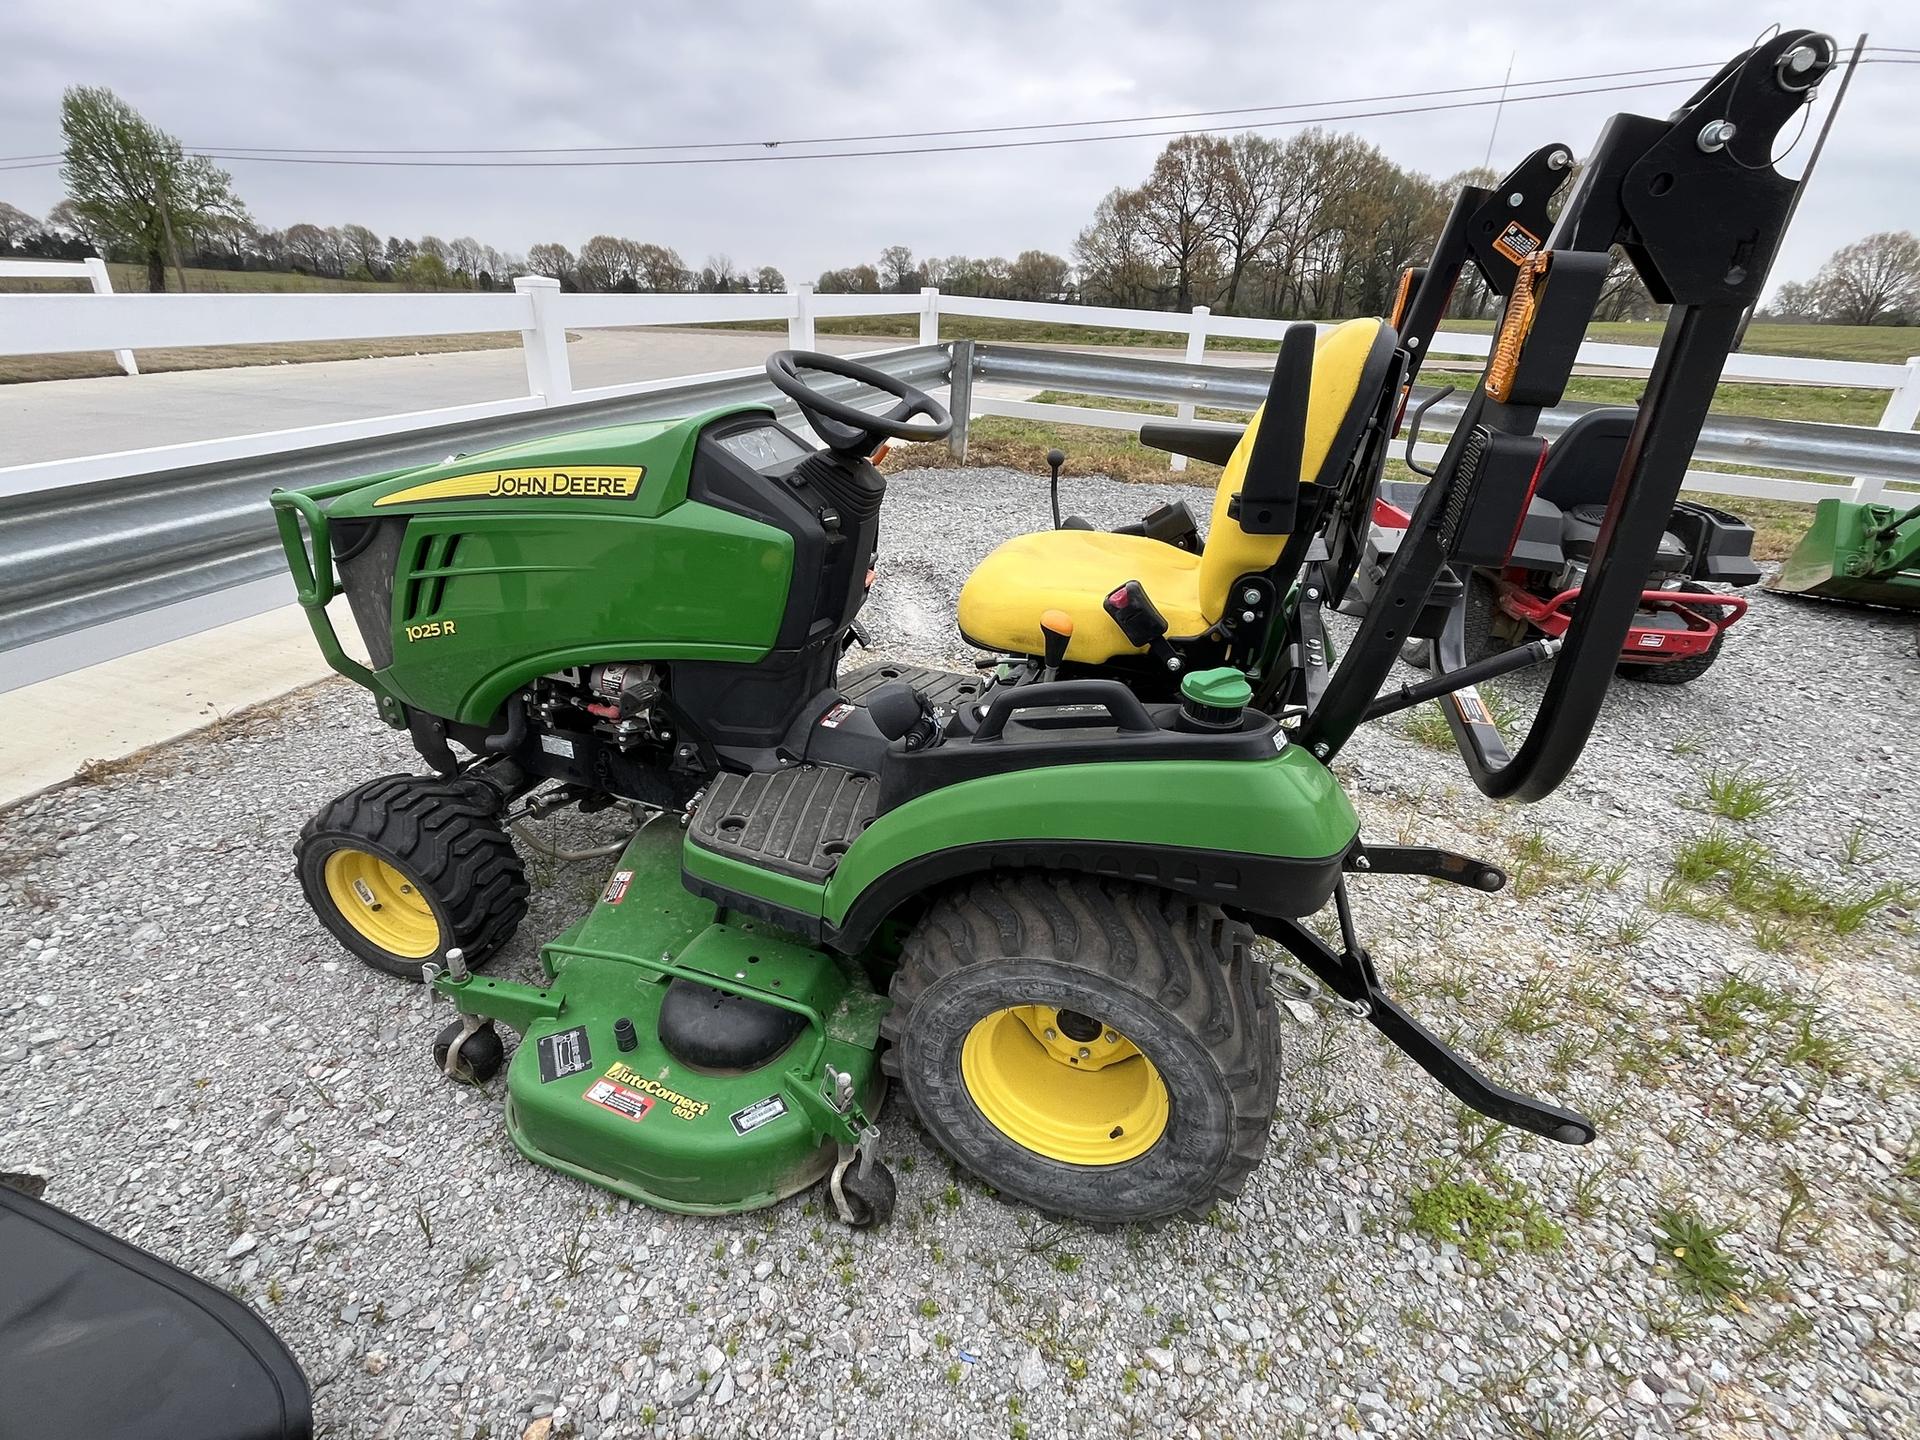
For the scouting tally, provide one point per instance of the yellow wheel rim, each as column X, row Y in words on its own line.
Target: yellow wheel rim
column 382, row 904
column 1064, row 1086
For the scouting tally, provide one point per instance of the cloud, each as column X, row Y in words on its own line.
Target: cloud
column 406, row 73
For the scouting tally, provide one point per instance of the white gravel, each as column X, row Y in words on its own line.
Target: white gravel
column 206, row 1073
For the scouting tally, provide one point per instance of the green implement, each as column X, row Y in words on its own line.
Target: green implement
column 1867, row 554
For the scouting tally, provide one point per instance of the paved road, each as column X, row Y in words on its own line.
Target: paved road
column 55, row 419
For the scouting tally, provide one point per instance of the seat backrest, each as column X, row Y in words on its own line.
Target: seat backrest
column 1350, row 364
column 1583, row 462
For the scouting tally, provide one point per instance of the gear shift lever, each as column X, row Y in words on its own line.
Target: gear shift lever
column 1056, row 630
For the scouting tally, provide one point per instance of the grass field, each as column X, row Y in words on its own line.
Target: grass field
column 1881, row 344
column 132, row 279
column 15, row 369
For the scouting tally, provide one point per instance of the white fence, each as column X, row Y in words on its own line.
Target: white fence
column 92, row 270
column 542, row 314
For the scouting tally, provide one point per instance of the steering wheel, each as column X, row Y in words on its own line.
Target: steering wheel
column 847, row 428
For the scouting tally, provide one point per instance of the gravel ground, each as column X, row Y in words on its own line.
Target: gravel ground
column 206, row 1073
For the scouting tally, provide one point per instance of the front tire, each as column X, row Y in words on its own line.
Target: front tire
column 1101, row 1051
column 403, row 868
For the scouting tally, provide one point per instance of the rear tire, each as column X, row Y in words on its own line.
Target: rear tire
column 1166, row 984
column 1674, row 672
column 1479, row 606
column 403, row 868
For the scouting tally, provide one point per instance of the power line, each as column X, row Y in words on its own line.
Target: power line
column 774, row 157
column 953, row 133
column 330, row 150
column 345, row 157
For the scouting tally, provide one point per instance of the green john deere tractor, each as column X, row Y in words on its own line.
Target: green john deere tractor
column 1027, row 895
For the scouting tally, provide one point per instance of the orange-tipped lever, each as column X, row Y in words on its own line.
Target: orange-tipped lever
column 1056, row 631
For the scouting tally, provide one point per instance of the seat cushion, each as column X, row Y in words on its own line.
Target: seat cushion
column 1074, row 571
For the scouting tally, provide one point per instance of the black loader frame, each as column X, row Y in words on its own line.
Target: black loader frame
column 1695, row 203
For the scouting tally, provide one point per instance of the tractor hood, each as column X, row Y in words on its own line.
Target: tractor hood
column 634, row 470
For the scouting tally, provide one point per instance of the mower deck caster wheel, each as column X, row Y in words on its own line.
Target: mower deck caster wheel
column 862, row 1198
column 479, row 1057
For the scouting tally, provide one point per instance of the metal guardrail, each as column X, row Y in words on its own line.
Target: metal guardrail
column 1842, row 450
column 81, row 565
column 125, row 558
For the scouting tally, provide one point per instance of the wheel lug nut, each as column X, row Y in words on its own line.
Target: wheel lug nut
column 1084, row 1052
column 1112, row 1039
column 1052, row 1036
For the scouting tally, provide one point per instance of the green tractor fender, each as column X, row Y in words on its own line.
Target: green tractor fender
column 1269, row 835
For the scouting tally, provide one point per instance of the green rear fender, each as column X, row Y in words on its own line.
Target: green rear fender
column 1268, row 835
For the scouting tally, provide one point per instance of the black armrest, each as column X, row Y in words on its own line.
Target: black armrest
column 1268, row 500
column 1206, row 440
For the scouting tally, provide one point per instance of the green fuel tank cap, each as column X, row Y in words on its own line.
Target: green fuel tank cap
column 1214, row 699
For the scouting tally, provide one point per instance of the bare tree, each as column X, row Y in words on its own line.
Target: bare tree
column 361, row 250
column 1797, row 302
column 1181, row 212
column 1871, row 280
column 660, row 269
column 1037, row 275
column 468, row 256
column 853, row 280
column 604, row 261
column 306, row 247
column 720, row 276
column 898, row 274
column 15, row 225
column 1251, row 186
column 552, row 260
column 1113, row 252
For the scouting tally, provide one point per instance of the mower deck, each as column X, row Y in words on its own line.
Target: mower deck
column 596, row 1092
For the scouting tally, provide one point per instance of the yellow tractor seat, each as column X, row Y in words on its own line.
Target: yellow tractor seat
column 1075, row 570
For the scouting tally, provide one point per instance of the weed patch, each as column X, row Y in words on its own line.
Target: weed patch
column 1700, row 1263
column 1483, row 1219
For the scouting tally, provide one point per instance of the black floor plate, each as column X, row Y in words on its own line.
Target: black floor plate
column 944, row 689
column 797, row 822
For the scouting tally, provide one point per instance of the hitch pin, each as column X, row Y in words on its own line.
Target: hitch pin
column 839, row 1089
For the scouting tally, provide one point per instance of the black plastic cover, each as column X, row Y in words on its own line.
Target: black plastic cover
column 718, row 1030
column 1489, row 498
column 1719, row 545
column 102, row 1340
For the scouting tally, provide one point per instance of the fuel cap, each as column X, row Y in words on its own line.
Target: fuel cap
column 1214, row 699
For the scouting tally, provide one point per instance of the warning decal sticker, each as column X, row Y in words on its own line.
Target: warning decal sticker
column 1472, row 708
column 619, row 1099
column 685, row 1107
column 616, row 890
column 1516, row 242
column 563, row 1054
column 761, row 1112
column 837, row 716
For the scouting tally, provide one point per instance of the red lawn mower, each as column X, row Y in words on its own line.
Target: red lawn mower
column 1681, row 624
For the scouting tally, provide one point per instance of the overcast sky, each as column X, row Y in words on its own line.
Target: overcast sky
column 409, row 73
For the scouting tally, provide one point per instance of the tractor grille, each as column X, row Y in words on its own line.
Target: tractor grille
column 1471, row 454
column 366, row 553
